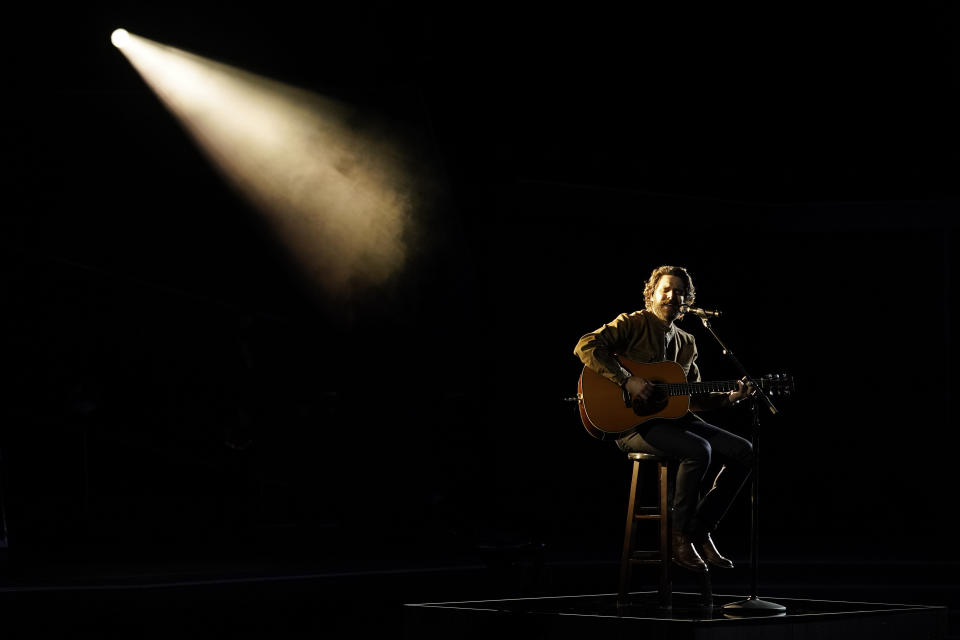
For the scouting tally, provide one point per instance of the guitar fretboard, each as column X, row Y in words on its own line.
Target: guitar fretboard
column 697, row 388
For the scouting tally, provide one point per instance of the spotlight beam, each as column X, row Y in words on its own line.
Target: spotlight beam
column 337, row 192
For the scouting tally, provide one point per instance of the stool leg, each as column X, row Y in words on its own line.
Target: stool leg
column 666, row 542
column 706, row 590
column 625, row 564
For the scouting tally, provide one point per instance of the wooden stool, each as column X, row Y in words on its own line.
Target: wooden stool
column 660, row 513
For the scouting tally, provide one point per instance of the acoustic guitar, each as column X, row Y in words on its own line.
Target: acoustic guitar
column 607, row 413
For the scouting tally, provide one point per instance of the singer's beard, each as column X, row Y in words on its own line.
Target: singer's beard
column 667, row 313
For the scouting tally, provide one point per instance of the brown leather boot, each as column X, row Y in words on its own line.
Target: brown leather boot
column 709, row 553
column 685, row 554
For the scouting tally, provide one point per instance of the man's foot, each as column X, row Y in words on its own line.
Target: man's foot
column 685, row 554
column 709, row 553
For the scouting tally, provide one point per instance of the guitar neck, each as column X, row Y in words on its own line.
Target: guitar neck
column 696, row 388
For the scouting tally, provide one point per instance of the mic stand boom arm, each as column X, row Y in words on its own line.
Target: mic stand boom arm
column 740, row 368
column 753, row 606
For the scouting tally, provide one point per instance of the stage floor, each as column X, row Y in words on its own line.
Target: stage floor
column 598, row 616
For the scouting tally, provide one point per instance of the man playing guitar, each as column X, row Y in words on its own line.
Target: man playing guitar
column 650, row 336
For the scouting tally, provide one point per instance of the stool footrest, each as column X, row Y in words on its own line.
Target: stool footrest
column 648, row 516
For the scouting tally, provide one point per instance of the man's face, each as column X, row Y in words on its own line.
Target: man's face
column 667, row 298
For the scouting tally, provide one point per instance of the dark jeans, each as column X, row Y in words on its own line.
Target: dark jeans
column 697, row 445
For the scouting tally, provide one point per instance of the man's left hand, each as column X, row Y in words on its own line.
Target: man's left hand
column 743, row 390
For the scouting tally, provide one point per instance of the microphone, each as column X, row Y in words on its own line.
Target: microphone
column 703, row 313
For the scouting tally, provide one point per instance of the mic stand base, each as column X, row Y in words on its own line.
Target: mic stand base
column 753, row 606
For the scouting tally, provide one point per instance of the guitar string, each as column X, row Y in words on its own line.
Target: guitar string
column 693, row 388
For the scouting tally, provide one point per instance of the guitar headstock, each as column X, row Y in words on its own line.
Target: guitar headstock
column 778, row 385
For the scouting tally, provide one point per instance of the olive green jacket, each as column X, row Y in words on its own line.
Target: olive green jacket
column 639, row 336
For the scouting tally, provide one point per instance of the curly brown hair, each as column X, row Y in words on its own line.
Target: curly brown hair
column 667, row 270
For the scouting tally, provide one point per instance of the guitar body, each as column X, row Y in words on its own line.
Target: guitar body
column 602, row 408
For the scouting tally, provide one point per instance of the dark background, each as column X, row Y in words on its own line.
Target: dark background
column 173, row 383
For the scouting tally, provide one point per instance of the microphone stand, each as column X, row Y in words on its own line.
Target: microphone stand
column 752, row 606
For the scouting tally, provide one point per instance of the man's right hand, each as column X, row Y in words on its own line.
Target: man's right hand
column 638, row 388
column 644, row 396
